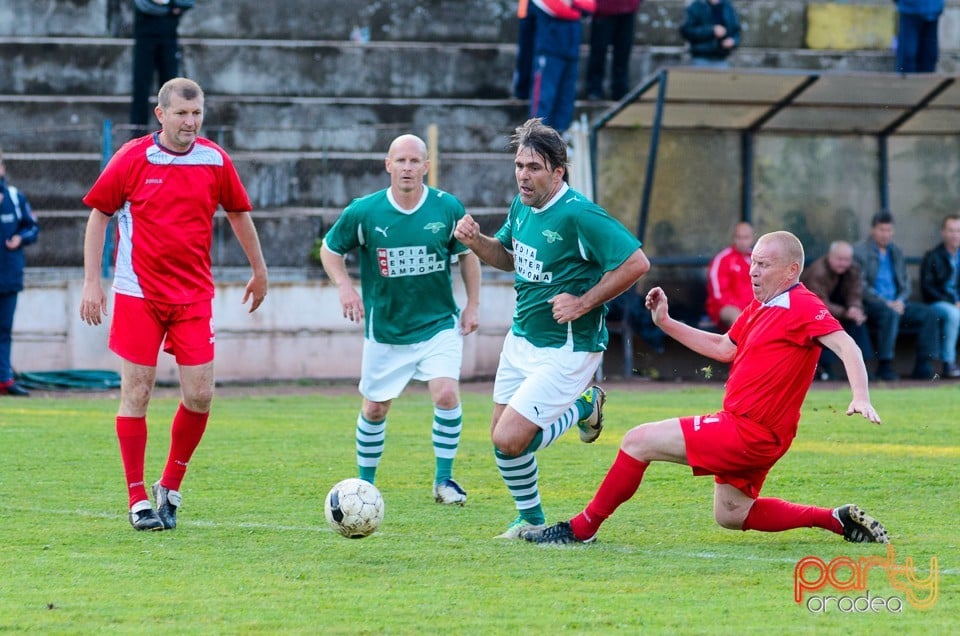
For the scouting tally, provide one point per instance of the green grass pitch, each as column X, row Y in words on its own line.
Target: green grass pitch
column 253, row 553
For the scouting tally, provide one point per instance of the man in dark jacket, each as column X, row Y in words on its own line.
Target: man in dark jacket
column 17, row 228
column 940, row 287
column 713, row 30
column 886, row 294
column 836, row 279
column 155, row 48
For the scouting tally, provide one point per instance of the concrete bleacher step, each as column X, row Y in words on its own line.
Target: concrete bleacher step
column 450, row 20
column 288, row 235
column 100, row 66
column 291, row 151
column 335, row 69
column 273, row 122
column 767, row 23
column 279, row 178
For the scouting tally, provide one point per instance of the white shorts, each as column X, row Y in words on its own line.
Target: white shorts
column 387, row 369
column 542, row 383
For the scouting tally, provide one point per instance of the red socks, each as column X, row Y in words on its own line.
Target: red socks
column 776, row 515
column 618, row 486
column 132, row 435
column 185, row 434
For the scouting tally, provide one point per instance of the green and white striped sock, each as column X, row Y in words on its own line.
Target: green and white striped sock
column 553, row 432
column 520, row 474
column 447, row 424
column 370, row 441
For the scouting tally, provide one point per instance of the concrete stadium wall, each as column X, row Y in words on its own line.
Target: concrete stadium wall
column 298, row 333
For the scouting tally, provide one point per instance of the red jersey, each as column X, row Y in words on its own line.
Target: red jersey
column 165, row 203
column 728, row 282
column 567, row 9
column 775, row 361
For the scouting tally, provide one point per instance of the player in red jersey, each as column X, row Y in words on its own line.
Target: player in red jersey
column 728, row 278
column 773, row 348
column 164, row 190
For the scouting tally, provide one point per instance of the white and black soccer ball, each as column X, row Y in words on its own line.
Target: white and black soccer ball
column 354, row 508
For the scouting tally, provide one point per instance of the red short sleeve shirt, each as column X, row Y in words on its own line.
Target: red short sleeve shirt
column 776, row 358
column 165, row 203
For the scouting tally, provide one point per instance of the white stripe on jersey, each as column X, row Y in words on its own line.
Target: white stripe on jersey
column 199, row 155
column 125, row 280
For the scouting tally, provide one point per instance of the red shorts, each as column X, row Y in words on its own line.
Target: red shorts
column 716, row 445
column 139, row 327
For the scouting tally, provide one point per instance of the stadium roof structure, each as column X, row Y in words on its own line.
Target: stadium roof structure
column 784, row 102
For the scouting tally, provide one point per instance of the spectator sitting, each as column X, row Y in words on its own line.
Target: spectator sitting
column 713, row 30
column 886, row 293
column 940, row 287
column 836, row 279
column 729, row 289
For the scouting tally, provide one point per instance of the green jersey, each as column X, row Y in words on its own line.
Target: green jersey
column 405, row 258
column 566, row 247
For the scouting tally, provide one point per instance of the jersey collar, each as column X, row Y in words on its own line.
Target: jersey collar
column 563, row 190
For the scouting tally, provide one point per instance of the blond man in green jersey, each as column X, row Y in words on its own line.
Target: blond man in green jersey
column 413, row 329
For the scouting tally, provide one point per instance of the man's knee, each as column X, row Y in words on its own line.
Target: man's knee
column 639, row 442
column 731, row 515
column 375, row 411
column 729, row 520
column 198, row 399
column 508, row 444
column 446, row 396
column 512, row 434
column 135, row 397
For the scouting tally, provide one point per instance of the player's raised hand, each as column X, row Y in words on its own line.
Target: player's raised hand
column 656, row 302
column 467, row 230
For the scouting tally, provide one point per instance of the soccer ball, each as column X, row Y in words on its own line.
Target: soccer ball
column 354, row 508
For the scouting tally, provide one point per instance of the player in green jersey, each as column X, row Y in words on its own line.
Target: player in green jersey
column 569, row 258
column 413, row 329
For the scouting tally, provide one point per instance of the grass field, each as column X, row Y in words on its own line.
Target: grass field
column 253, row 553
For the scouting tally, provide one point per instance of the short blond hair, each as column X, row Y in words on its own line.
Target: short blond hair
column 185, row 88
column 790, row 246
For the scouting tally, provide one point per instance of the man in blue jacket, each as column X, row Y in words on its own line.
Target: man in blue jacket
column 17, row 228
